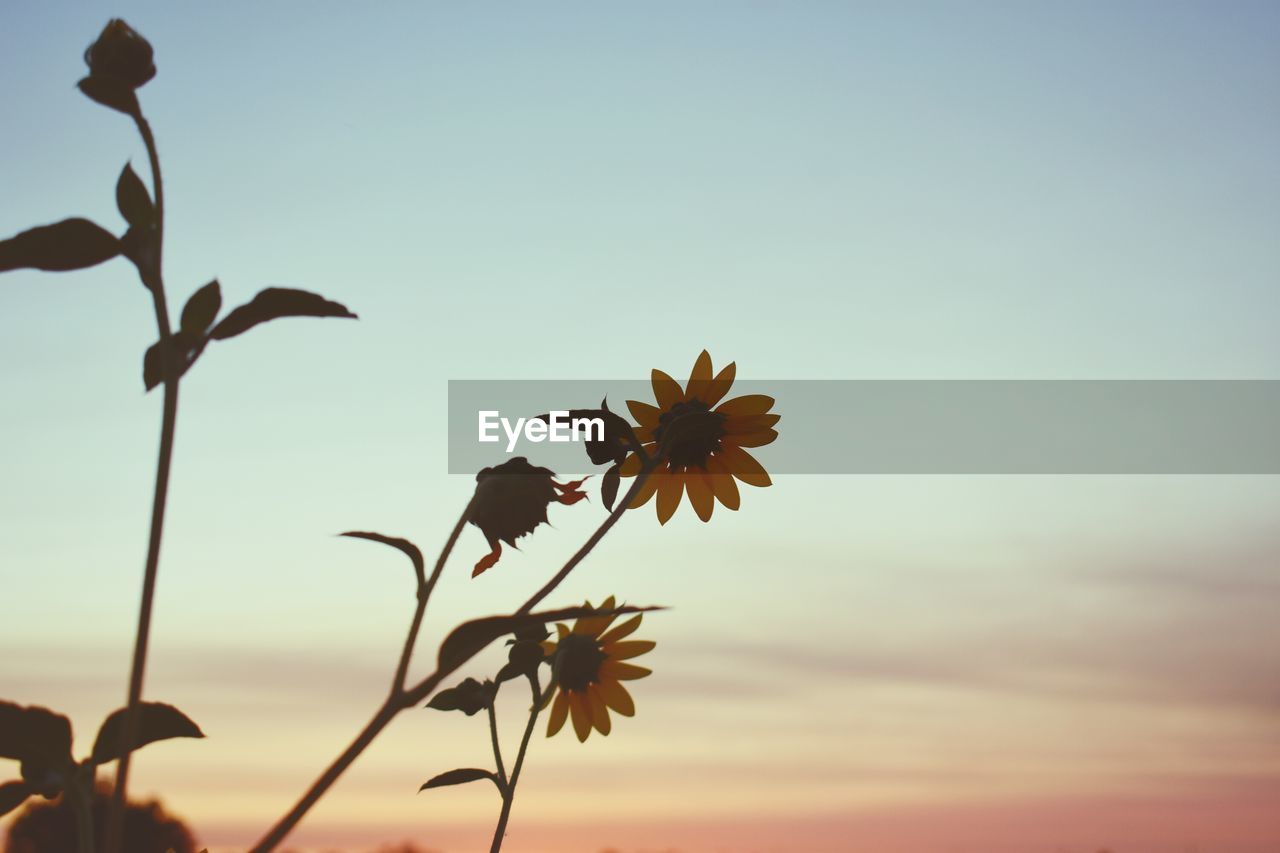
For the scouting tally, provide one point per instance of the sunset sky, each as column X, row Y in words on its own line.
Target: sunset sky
column 817, row 190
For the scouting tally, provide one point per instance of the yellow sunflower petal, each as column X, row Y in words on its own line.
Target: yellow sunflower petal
column 629, row 649
column 647, row 488
column 744, row 466
column 700, row 494
column 644, row 414
column 599, row 713
column 591, row 626
column 670, row 488
column 700, row 379
column 617, row 698
column 622, row 671
column 753, row 439
column 666, row 390
column 721, row 384
column 559, row 711
column 624, row 629
column 722, row 483
column 644, row 434
column 750, row 423
column 748, row 404
column 580, row 711
column 562, row 630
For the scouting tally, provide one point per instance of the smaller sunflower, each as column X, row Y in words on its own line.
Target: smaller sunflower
column 703, row 440
column 589, row 665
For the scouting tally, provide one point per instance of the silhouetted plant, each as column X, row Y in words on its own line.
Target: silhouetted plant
column 120, row 62
column 690, row 443
column 51, row 827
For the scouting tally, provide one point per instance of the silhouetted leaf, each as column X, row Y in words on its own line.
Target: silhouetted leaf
column 461, row 776
column 71, row 244
column 201, row 309
column 111, row 93
column 12, row 795
column 402, row 545
column 469, row 638
column 468, row 697
column 34, row 735
column 155, row 722
column 609, row 486
column 184, row 349
column 133, row 200
column 273, row 303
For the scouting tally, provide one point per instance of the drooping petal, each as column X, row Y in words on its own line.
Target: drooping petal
column 488, row 560
column 559, row 711
column 700, row 379
column 670, row 488
column 599, row 713
column 644, row 414
column 581, row 713
column 721, row 384
column 666, row 390
column 722, row 483
column 622, row 671
column 617, row 697
column 744, row 466
column 748, row 404
column 700, row 494
column 629, row 649
column 624, row 629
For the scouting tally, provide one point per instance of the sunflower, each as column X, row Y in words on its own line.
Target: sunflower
column 589, row 666
column 702, row 442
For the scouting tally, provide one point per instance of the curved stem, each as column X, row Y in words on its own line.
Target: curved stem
column 154, row 280
column 424, row 595
column 80, row 792
column 622, row 506
column 509, row 791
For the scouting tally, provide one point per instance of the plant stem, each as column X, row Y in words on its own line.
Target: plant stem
column 397, row 701
column 509, row 790
column 497, row 747
column 168, row 428
column 80, row 792
column 401, row 699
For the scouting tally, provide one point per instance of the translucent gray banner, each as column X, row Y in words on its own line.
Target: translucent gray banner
column 922, row 427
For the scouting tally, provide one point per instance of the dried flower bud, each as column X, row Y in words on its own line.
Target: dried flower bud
column 122, row 55
column 511, row 500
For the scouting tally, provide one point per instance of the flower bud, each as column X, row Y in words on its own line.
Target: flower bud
column 122, row 55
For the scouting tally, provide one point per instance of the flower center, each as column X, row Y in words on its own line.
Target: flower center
column 692, row 432
column 580, row 659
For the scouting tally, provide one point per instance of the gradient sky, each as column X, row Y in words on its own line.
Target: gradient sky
column 579, row 190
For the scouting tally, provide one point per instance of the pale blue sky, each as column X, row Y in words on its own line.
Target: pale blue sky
column 816, row 190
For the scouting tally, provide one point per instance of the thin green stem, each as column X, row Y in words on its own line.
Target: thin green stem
column 153, row 278
column 509, row 790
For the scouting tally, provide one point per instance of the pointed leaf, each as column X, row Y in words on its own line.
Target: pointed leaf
column 201, row 309
column 184, row 349
column 12, row 795
column 461, row 776
column 155, row 722
column 133, row 200
column 111, row 93
column 71, row 244
column 273, row 303
column 402, row 545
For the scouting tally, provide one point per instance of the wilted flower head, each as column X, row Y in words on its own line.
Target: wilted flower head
column 589, row 666
column 121, row 54
column 700, row 440
column 511, row 500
